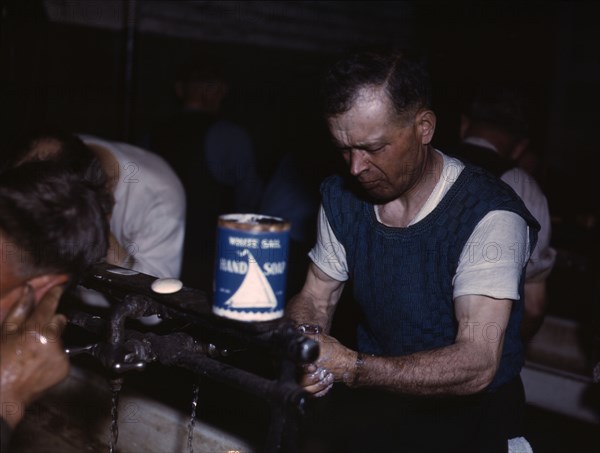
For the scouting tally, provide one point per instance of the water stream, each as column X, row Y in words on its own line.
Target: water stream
column 115, row 386
column 195, row 394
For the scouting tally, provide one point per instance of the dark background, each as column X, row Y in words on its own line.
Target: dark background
column 65, row 64
column 107, row 68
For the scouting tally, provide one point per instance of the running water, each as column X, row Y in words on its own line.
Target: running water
column 115, row 386
column 195, row 394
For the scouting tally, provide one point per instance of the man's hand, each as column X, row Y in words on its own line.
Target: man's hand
column 336, row 363
column 316, row 381
column 31, row 354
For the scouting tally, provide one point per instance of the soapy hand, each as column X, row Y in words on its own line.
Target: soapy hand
column 336, row 363
column 317, row 381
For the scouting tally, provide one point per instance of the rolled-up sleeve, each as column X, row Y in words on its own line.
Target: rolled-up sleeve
column 494, row 257
column 329, row 254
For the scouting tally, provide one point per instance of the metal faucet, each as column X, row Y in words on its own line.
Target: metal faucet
column 127, row 349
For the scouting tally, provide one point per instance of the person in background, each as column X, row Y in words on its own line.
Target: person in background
column 292, row 189
column 439, row 353
column 148, row 216
column 213, row 156
column 52, row 229
column 147, row 220
column 495, row 135
column 288, row 195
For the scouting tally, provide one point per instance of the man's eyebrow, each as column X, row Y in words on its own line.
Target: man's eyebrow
column 365, row 145
column 373, row 144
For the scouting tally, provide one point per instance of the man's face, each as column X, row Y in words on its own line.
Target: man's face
column 10, row 280
column 385, row 152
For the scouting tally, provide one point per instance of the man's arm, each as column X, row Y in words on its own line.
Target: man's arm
column 465, row 367
column 316, row 302
column 315, row 305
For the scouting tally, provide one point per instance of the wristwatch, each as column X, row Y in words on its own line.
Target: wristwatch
column 310, row 329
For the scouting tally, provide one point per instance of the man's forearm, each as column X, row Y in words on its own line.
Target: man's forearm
column 458, row 369
column 303, row 309
column 316, row 303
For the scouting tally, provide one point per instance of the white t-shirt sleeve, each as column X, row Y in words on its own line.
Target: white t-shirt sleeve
column 159, row 244
column 494, row 257
column 329, row 254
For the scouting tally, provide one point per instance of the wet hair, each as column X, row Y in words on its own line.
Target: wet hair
column 405, row 81
column 53, row 217
column 50, row 143
column 501, row 107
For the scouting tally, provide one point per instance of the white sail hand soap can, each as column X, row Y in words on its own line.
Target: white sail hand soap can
column 251, row 267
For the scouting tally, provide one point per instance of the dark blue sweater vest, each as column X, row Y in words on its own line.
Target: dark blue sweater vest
column 402, row 277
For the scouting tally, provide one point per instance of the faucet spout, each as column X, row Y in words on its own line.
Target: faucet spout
column 133, row 306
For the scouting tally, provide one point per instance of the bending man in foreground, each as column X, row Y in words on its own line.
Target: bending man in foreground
column 436, row 251
column 52, row 228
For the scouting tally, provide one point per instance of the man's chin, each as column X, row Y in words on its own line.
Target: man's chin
column 378, row 196
column 372, row 192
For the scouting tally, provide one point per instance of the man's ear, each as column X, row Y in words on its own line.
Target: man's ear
column 464, row 125
column 44, row 283
column 426, row 121
column 519, row 149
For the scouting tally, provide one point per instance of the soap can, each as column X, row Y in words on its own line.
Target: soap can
column 251, row 267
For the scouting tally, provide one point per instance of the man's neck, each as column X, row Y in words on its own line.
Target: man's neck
column 401, row 211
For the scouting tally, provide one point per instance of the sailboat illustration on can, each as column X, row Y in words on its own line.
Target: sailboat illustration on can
column 255, row 290
column 251, row 267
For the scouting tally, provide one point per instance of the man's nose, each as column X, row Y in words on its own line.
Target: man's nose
column 357, row 161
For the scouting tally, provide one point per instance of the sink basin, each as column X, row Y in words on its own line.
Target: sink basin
column 75, row 417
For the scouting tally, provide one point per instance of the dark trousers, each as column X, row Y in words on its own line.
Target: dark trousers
column 366, row 420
